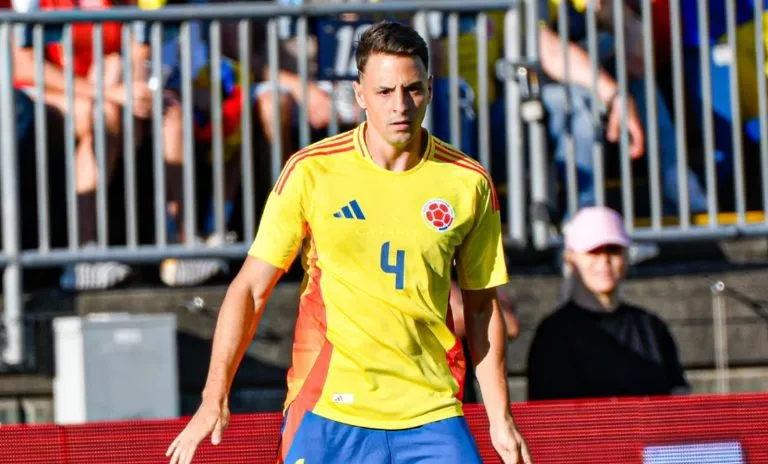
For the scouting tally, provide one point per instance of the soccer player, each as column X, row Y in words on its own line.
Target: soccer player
column 379, row 212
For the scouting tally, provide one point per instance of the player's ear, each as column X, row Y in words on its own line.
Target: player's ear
column 429, row 89
column 359, row 93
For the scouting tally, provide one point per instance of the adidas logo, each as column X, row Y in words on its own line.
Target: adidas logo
column 350, row 211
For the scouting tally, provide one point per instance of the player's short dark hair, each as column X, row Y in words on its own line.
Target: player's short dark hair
column 391, row 38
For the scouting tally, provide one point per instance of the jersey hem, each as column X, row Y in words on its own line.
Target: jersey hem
column 435, row 416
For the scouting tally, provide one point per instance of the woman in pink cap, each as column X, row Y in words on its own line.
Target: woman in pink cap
column 594, row 344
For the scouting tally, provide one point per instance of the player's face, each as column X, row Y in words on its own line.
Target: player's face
column 394, row 91
column 601, row 269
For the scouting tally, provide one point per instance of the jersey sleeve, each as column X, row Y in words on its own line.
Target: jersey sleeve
column 283, row 222
column 480, row 260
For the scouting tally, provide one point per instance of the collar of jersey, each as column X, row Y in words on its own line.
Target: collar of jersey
column 362, row 148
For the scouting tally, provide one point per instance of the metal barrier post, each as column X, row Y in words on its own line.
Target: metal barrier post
column 536, row 139
column 515, row 143
column 12, row 314
column 720, row 330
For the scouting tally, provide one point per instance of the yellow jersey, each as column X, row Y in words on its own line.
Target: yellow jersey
column 373, row 341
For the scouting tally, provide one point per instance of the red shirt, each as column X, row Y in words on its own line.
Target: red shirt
column 82, row 34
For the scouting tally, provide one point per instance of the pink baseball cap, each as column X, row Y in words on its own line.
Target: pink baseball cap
column 594, row 227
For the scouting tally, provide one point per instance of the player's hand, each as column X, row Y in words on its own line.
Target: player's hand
column 210, row 419
column 510, row 444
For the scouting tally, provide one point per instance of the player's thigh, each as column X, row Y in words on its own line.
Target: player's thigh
column 322, row 441
column 447, row 441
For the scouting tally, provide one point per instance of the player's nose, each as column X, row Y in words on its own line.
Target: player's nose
column 402, row 101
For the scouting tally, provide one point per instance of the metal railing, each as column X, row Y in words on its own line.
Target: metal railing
column 703, row 44
column 38, row 26
column 721, row 293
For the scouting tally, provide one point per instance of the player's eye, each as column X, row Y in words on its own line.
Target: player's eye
column 385, row 91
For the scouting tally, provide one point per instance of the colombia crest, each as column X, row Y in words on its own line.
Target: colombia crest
column 438, row 214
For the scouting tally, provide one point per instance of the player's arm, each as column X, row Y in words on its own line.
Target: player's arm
column 487, row 344
column 481, row 269
column 281, row 232
column 239, row 316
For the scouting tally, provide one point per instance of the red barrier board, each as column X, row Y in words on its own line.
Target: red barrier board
column 595, row 431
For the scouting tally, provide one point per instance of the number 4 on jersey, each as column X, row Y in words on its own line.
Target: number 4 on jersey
column 398, row 268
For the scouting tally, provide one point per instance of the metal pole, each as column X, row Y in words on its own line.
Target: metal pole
column 190, row 210
column 99, row 139
column 217, row 142
column 41, row 143
column 515, row 144
column 598, row 166
column 69, row 141
column 158, row 135
column 571, row 175
column 684, row 206
column 720, row 329
column 129, row 148
column 736, row 126
column 621, row 72
column 653, row 127
column 246, row 154
column 709, row 127
column 536, row 137
column 762, row 96
column 483, row 117
column 453, row 79
column 304, row 129
column 12, row 314
column 421, row 25
column 274, row 63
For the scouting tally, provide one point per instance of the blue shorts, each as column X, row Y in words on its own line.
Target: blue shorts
column 322, row 441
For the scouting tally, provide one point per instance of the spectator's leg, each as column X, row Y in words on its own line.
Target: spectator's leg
column 98, row 275
column 668, row 153
column 86, row 169
column 579, row 125
column 180, row 272
column 173, row 141
column 25, row 114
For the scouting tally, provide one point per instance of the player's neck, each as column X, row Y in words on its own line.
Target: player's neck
column 392, row 158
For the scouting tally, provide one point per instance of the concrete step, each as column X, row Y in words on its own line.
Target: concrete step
column 678, row 293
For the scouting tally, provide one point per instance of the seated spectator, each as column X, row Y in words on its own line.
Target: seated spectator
column 318, row 101
column 594, row 344
column 558, row 96
column 83, row 275
column 99, row 275
column 181, row 272
column 470, row 393
column 467, row 73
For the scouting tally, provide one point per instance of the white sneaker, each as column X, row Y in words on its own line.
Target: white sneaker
column 192, row 272
column 94, row 276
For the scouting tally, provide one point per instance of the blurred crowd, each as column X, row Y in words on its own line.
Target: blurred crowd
column 565, row 91
column 593, row 344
